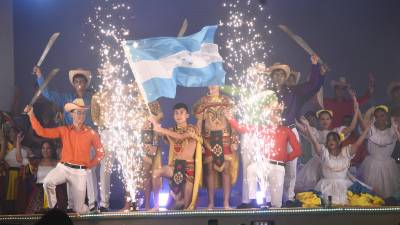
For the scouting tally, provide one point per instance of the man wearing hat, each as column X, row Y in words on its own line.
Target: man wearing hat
column 77, row 140
column 293, row 98
column 80, row 80
column 342, row 106
column 277, row 155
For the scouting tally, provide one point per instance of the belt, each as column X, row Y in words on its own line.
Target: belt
column 74, row 166
column 274, row 162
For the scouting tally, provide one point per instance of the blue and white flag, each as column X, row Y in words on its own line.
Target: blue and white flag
column 160, row 64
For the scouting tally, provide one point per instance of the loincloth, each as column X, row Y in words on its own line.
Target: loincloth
column 183, row 171
column 217, row 148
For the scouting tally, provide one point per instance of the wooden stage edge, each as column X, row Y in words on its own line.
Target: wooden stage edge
column 282, row 216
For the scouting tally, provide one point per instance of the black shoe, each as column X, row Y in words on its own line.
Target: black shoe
column 103, row 209
column 70, row 211
column 93, row 210
column 244, row 206
column 266, row 206
column 253, row 204
column 292, row 204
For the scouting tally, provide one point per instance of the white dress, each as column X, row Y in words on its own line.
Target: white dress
column 11, row 158
column 379, row 169
column 335, row 181
column 310, row 173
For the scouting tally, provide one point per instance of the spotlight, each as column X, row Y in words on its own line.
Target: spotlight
column 163, row 199
column 260, row 197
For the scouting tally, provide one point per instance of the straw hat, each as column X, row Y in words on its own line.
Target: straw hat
column 75, row 72
column 78, row 103
column 278, row 66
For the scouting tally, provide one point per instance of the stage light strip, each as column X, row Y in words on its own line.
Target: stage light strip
column 269, row 212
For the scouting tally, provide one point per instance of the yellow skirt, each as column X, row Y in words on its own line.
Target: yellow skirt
column 12, row 185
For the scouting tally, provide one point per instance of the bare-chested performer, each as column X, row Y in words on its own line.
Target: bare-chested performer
column 184, row 162
column 220, row 142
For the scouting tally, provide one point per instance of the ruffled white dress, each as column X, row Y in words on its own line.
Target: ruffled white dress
column 310, row 173
column 335, row 181
column 379, row 169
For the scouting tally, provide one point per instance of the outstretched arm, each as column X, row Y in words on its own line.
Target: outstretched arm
column 370, row 91
column 353, row 124
column 53, row 96
column 234, row 123
column 37, row 127
column 368, row 117
column 355, row 146
column 311, row 87
column 18, row 155
column 300, row 126
column 314, row 142
column 163, row 131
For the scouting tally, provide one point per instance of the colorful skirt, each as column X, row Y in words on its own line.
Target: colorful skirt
column 38, row 199
column 17, row 185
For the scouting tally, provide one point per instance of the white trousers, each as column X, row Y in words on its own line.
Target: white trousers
column 274, row 183
column 92, row 189
column 105, row 175
column 290, row 175
column 76, row 180
column 245, row 148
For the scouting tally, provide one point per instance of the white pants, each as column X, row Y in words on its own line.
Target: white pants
column 274, row 183
column 105, row 175
column 91, row 184
column 290, row 175
column 245, row 148
column 75, row 178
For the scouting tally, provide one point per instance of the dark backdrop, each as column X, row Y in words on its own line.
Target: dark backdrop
column 354, row 37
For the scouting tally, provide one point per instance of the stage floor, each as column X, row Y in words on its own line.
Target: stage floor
column 282, row 216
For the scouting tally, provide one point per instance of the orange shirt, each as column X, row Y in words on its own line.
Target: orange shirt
column 75, row 144
column 282, row 136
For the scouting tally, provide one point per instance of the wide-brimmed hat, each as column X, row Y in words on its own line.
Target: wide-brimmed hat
column 278, row 66
column 392, row 86
column 341, row 82
column 75, row 72
column 78, row 103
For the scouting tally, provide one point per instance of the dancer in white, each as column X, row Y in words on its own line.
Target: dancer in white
column 335, row 161
column 310, row 173
column 379, row 169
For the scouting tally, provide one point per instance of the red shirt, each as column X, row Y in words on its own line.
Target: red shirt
column 343, row 108
column 282, row 136
column 75, row 144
